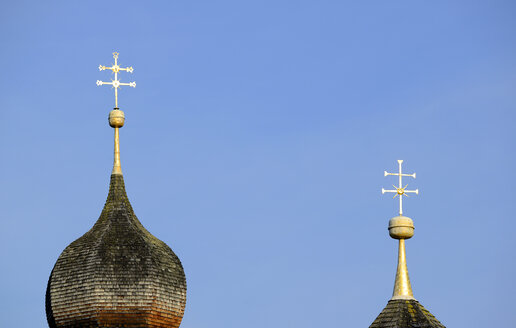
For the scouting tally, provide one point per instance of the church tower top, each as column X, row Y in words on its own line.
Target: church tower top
column 403, row 310
column 117, row 274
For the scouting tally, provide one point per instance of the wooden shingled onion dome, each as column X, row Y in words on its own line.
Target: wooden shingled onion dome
column 117, row 274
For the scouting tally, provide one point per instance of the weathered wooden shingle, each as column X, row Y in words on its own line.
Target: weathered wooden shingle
column 116, row 275
column 405, row 314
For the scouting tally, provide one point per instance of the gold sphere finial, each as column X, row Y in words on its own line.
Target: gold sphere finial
column 401, row 227
column 116, row 118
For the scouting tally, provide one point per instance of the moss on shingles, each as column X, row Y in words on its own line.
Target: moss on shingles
column 405, row 314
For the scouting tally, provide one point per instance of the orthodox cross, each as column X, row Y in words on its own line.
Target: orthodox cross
column 400, row 190
column 116, row 83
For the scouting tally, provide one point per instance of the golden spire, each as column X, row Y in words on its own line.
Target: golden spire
column 116, row 116
column 401, row 228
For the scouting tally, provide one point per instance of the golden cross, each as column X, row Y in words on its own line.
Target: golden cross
column 116, row 83
column 400, row 190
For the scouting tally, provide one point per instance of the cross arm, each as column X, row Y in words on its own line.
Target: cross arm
column 388, row 190
column 131, row 84
column 102, row 83
column 127, row 69
column 385, row 173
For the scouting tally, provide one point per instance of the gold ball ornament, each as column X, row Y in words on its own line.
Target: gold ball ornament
column 116, row 118
column 401, row 227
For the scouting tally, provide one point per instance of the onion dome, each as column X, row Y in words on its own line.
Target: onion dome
column 117, row 274
column 403, row 310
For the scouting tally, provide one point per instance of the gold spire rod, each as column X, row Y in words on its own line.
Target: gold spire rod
column 116, row 116
column 117, row 167
column 402, row 287
column 400, row 190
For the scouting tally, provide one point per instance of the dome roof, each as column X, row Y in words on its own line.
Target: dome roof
column 117, row 274
column 405, row 314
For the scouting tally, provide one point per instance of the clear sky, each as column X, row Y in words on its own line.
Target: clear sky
column 255, row 144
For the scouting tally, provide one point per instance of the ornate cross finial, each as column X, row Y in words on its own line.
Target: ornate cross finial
column 400, row 190
column 116, row 83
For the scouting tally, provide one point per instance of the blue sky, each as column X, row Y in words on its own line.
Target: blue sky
column 255, row 144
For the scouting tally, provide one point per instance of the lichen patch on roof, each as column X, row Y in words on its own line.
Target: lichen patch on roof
column 405, row 314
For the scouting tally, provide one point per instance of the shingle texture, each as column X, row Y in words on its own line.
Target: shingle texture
column 405, row 314
column 116, row 275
